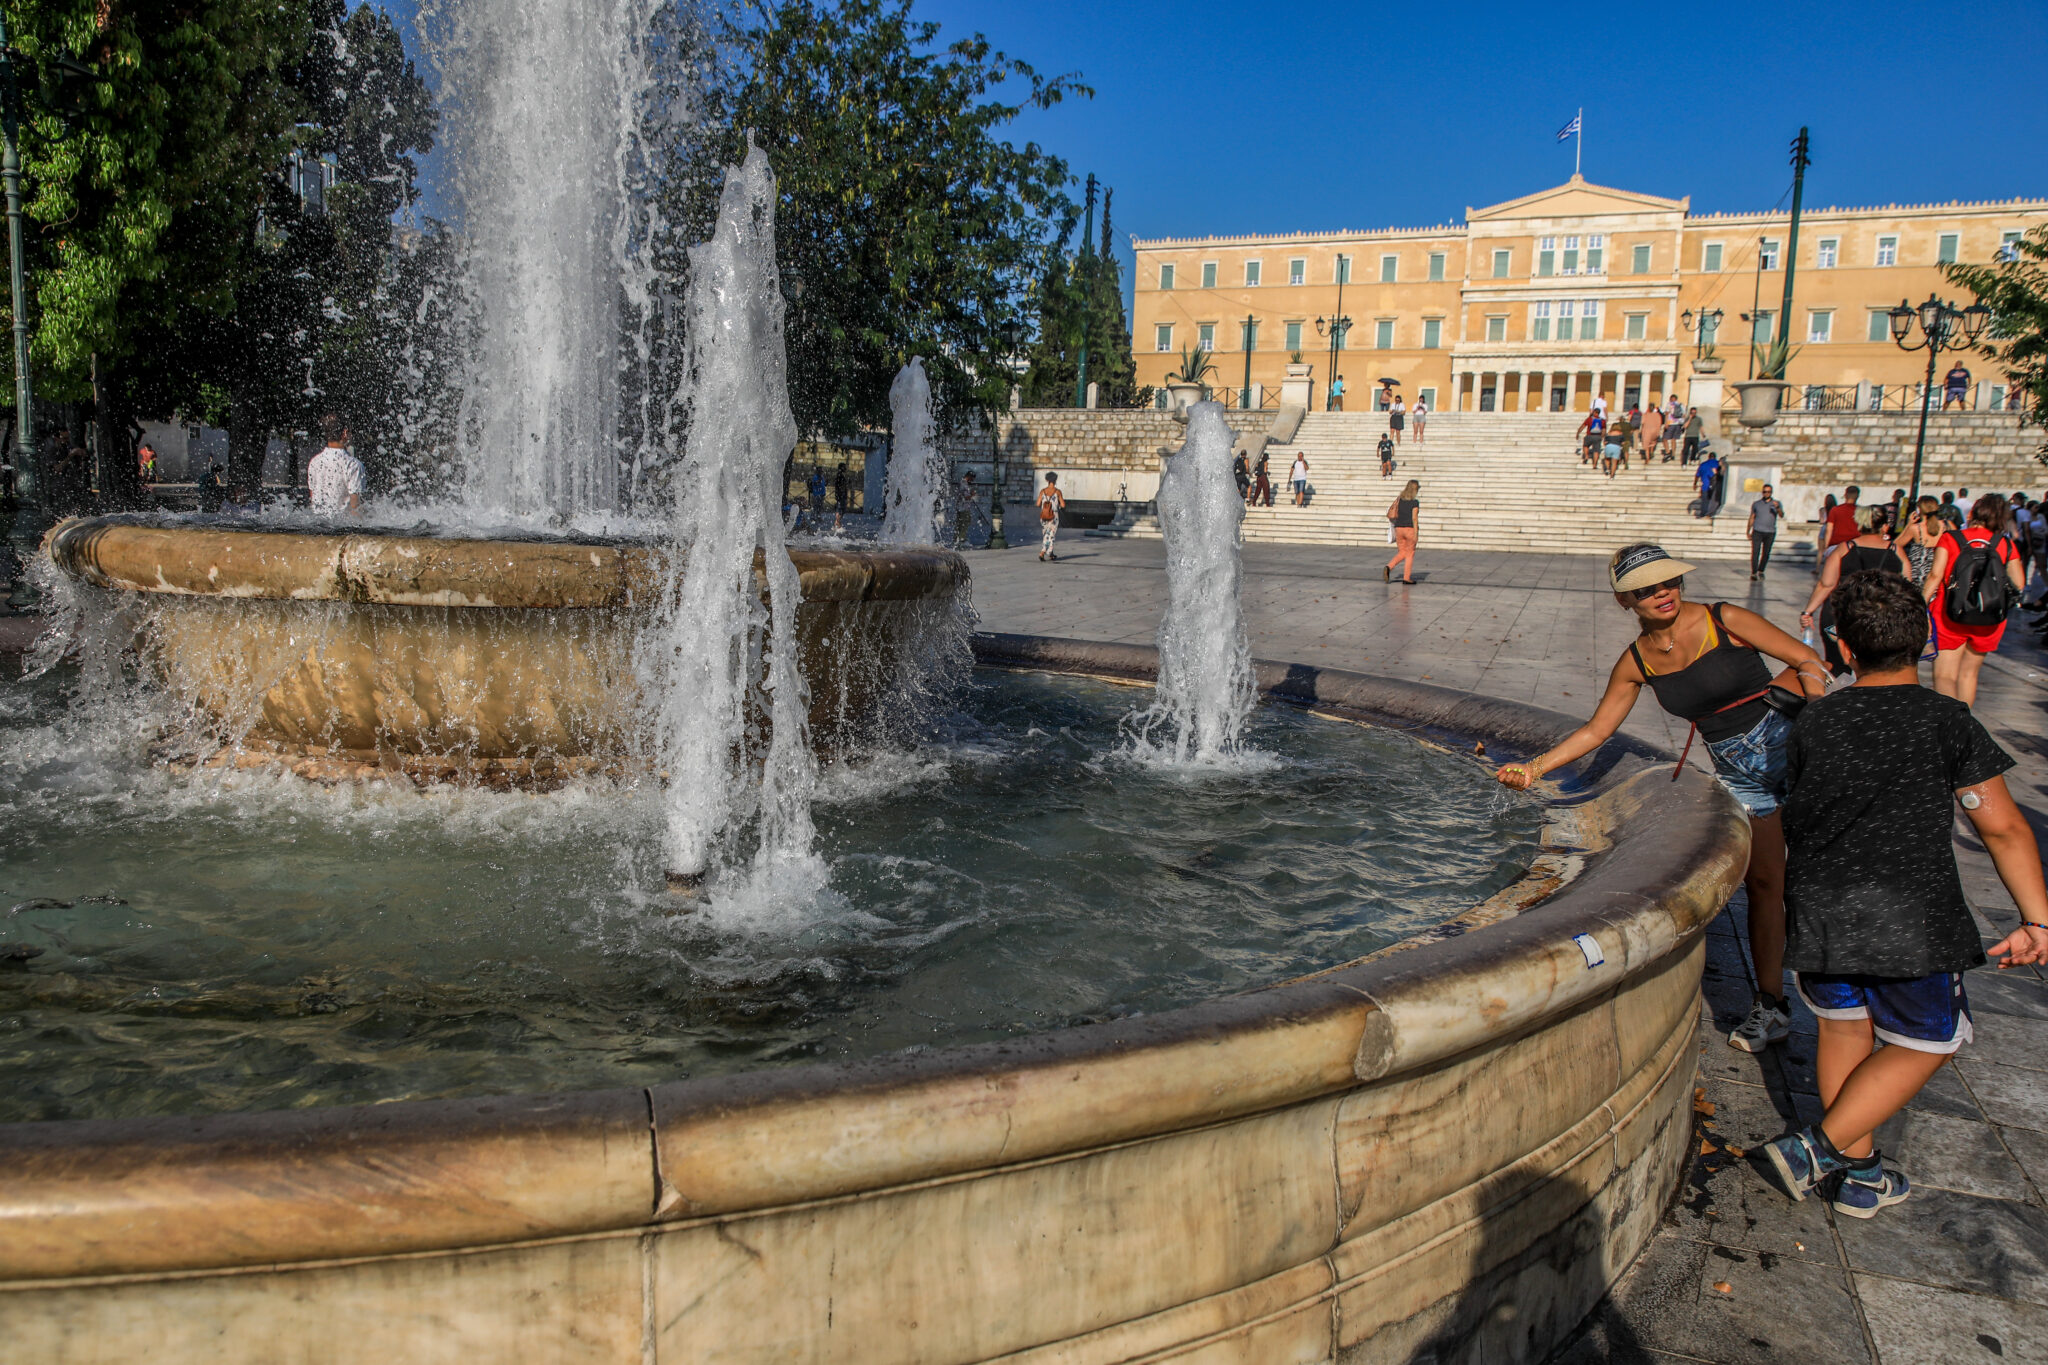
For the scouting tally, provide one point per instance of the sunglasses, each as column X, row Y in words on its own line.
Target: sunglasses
column 1668, row 585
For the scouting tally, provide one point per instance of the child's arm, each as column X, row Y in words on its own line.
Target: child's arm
column 2010, row 842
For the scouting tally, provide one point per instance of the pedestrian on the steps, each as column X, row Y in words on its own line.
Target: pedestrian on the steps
column 1706, row 665
column 1337, row 394
column 1653, row 432
column 1297, row 477
column 1764, row 515
column 1674, row 426
column 1695, row 425
column 1707, row 478
column 1241, row 470
column 1262, row 485
column 1419, row 414
column 1879, row 932
column 1387, row 454
column 1397, row 418
column 1050, row 503
column 1403, row 514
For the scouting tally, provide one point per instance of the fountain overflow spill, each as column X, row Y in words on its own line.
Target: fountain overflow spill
column 732, row 726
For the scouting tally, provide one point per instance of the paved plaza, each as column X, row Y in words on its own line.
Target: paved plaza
column 1739, row 1274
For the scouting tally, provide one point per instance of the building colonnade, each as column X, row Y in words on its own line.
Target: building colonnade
column 1546, row 390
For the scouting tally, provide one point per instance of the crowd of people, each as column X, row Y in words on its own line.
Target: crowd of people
column 1609, row 441
column 1850, row 793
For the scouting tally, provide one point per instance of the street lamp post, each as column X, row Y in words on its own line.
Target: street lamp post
column 29, row 514
column 1334, row 327
column 1704, row 326
column 1011, row 333
column 1244, row 395
column 1943, row 327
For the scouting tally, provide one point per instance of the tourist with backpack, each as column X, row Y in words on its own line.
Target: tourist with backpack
column 1973, row 585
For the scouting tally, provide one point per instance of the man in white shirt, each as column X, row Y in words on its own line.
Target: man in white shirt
column 334, row 477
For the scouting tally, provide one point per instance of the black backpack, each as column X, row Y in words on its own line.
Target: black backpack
column 1978, row 592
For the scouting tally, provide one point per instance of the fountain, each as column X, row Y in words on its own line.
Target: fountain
column 991, row 1040
column 916, row 476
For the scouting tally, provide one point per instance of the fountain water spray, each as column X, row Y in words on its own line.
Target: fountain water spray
column 1205, row 690
column 916, row 474
column 732, row 723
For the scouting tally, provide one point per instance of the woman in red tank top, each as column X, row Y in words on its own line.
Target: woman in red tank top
column 1960, row 647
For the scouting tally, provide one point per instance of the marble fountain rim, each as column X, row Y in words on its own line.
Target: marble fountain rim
column 1645, row 864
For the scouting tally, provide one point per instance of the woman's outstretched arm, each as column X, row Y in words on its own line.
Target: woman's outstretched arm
column 1624, row 685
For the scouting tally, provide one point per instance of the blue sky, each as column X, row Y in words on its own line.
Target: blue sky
column 1223, row 118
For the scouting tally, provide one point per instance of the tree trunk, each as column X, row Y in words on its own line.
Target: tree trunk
column 248, row 440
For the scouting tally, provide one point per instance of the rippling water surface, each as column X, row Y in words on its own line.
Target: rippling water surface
column 249, row 941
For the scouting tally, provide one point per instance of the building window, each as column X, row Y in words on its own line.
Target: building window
column 1710, row 258
column 1564, row 320
column 1820, row 324
column 1639, row 259
column 1539, row 322
column 2009, row 244
column 1589, row 319
column 1208, row 274
column 1293, row 337
column 1252, row 271
column 1205, row 335
column 1502, row 261
column 1343, row 273
column 1432, row 333
column 1760, row 330
column 1571, row 257
column 1162, row 335
column 1880, row 325
column 1546, row 256
column 1166, row 277
column 1826, row 253
column 1383, row 334
column 1297, row 271
column 1436, row 265
column 1497, row 327
column 1596, row 255
column 1390, row 267
column 1887, row 251
column 1997, row 402
column 1945, row 250
column 1766, row 254
column 1637, row 326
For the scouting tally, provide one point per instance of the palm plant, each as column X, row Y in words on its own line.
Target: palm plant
column 1195, row 366
column 1772, row 358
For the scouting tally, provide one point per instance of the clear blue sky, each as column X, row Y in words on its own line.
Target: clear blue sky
column 1221, row 118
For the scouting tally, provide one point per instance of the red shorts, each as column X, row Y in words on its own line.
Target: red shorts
column 1953, row 635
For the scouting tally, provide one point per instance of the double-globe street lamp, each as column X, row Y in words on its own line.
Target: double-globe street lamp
column 1943, row 327
column 1704, row 326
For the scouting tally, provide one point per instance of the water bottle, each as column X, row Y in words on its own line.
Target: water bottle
column 1806, row 637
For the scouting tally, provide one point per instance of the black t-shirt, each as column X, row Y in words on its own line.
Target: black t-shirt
column 1404, row 511
column 1870, row 872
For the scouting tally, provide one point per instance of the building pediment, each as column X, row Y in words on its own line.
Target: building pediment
column 1576, row 198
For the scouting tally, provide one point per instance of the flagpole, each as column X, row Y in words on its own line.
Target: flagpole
column 1578, row 141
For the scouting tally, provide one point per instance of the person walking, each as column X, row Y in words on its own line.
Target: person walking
column 1705, row 665
column 334, row 477
column 1674, row 427
column 1397, row 418
column 1337, row 394
column 1387, row 454
column 840, row 482
column 1241, row 472
column 815, row 486
column 1872, row 551
column 1419, row 415
column 1764, row 515
column 1972, row 586
column 1653, row 432
column 1262, row 483
column 1918, row 537
column 1403, row 515
column 1707, row 478
column 1694, row 426
column 1051, row 502
column 1297, row 479
column 1842, row 526
column 1880, row 936
column 966, row 511
column 1955, row 387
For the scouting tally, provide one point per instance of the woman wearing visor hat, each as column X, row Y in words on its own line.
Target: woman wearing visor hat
column 1705, row 665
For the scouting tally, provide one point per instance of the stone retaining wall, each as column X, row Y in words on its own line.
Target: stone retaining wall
column 1981, row 451
column 1093, row 450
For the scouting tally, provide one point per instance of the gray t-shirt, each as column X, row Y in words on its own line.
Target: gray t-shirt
column 1765, row 510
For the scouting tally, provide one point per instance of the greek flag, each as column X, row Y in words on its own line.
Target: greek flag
column 1568, row 129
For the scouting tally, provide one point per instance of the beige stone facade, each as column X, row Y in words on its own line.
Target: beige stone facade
column 1536, row 304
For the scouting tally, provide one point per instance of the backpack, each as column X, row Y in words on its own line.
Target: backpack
column 1978, row 593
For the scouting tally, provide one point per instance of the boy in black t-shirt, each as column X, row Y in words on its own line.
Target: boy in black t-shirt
column 1877, row 932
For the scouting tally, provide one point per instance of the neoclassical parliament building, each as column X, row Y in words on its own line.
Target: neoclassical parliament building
column 1536, row 304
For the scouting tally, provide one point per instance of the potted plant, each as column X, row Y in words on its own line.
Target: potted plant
column 1186, row 384
column 1762, row 397
column 1708, row 361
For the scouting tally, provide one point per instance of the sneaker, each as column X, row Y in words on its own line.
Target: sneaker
column 1800, row 1163
column 1860, row 1194
column 1766, row 1024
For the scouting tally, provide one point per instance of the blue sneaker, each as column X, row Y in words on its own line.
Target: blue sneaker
column 1800, row 1162
column 1860, row 1194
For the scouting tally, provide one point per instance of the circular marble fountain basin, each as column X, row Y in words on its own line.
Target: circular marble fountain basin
column 1450, row 1148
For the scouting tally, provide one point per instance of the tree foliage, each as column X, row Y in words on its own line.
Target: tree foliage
column 2015, row 288
column 1081, row 298
column 913, row 228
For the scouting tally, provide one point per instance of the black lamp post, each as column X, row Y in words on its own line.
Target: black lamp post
column 1251, row 334
column 1943, row 327
column 1012, row 333
column 1704, row 326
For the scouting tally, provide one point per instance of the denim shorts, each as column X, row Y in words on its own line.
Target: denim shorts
column 1925, row 1013
column 1752, row 765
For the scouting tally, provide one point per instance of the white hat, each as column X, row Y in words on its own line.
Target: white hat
column 1644, row 565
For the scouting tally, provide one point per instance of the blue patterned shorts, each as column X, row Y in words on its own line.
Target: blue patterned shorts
column 1752, row 765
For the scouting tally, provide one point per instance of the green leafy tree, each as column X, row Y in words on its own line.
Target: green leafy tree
column 2015, row 288
column 912, row 227
column 1082, row 298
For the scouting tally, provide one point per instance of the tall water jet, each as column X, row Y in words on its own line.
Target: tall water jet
column 916, row 474
column 543, row 103
column 731, row 717
column 1205, row 691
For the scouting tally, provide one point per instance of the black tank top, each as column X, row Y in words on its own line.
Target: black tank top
column 1722, row 672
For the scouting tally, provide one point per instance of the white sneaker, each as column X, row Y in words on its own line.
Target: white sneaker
column 1765, row 1025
